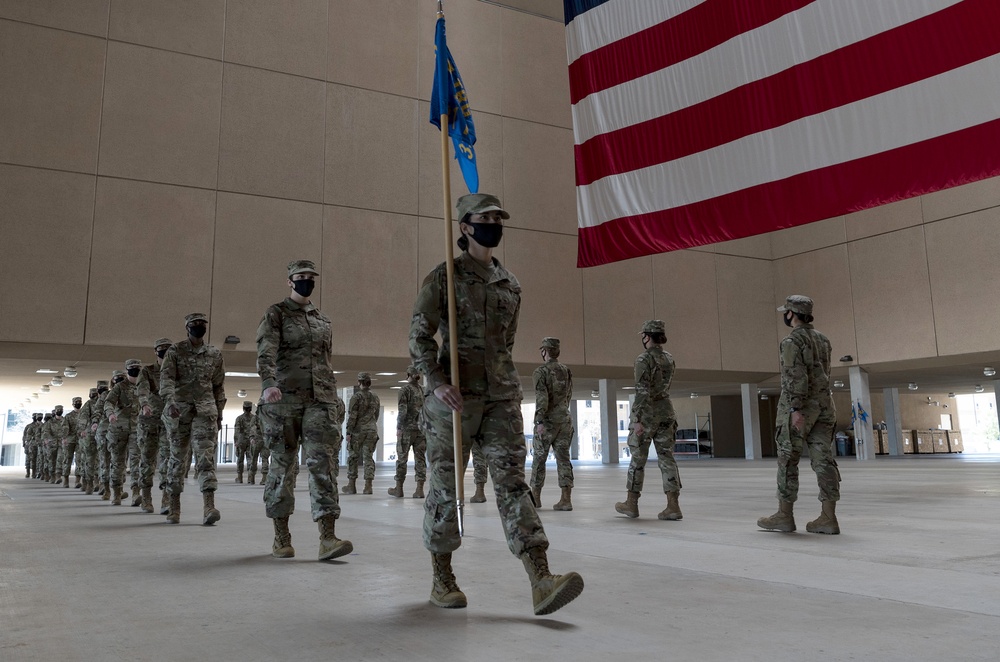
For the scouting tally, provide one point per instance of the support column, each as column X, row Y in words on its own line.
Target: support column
column 893, row 422
column 380, row 445
column 345, row 395
column 608, row 389
column 751, row 421
column 863, row 431
column 574, row 417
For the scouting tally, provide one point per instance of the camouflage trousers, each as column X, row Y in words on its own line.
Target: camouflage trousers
column 662, row 438
column 818, row 434
column 52, row 458
column 87, row 455
column 362, row 448
column 259, row 449
column 242, row 450
column 479, row 470
column 152, row 440
column 499, row 430
column 411, row 439
column 193, row 433
column 121, row 435
column 69, row 448
column 134, row 459
column 103, row 454
column 285, row 426
column 558, row 436
column 29, row 459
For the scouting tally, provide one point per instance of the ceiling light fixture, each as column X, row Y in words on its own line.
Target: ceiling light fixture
column 838, row 383
column 45, row 388
column 242, row 374
column 989, row 372
column 386, row 374
column 764, row 396
column 69, row 371
column 46, row 371
column 242, row 393
column 912, row 386
column 694, row 395
column 57, row 380
column 979, row 388
column 595, row 394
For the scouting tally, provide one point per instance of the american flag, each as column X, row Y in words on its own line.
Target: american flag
column 698, row 121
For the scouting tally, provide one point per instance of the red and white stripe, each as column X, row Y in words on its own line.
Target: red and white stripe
column 698, row 122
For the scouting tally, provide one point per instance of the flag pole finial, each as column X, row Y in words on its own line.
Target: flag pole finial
column 440, row 8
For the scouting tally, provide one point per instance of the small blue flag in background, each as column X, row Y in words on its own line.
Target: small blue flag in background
column 448, row 97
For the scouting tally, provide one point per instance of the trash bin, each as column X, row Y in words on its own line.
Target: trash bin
column 844, row 445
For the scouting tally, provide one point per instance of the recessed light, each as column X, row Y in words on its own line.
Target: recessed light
column 46, row 371
column 694, row 395
column 396, row 388
column 242, row 374
column 386, row 374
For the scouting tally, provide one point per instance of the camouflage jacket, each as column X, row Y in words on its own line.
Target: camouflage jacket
column 363, row 412
column 411, row 401
column 147, row 389
column 90, row 414
column 246, row 428
column 75, row 423
column 654, row 370
column 340, row 410
column 553, row 392
column 805, row 369
column 28, row 436
column 488, row 300
column 123, row 402
column 58, row 428
column 294, row 347
column 102, row 419
column 194, row 376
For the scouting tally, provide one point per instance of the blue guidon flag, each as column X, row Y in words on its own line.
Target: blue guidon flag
column 448, row 97
column 699, row 121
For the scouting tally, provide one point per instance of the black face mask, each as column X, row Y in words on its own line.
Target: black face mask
column 304, row 287
column 160, row 353
column 118, row 379
column 487, row 234
column 103, row 389
column 197, row 331
column 645, row 342
column 788, row 318
column 133, row 372
column 58, row 412
column 93, row 396
column 77, row 405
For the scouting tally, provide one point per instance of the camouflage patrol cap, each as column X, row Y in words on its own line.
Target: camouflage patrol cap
column 102, row 382
column 411, row 371
column 93, row 390
column 549, row 343
column 797, row 303
column 117, row 373
column 77, row 399
column 478, row 203
column 248, row 405
column 133, row 363
column 160, row 342
column 196, row 317
column 302, row 267
column 364, row 377
column 654, row 326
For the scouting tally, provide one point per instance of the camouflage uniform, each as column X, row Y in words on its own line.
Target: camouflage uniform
column 59, row 431
column 154, row 444
column 411, row 401
column 191, row 379
column 123, row 403
column 71, row 443
column 27, row 442
column 654, row 369
column 362, row 430
column 45, row 447
column 553, row 394
column 101, row 439
column 488, row 302
column 243, row 432
column 259, row 449
column 88, row 418
column 294, row 345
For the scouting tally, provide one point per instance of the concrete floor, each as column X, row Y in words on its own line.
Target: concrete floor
column 914, row 576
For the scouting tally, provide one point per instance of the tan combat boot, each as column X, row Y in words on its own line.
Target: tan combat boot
column 174, row 515
column 136, row 496
column 630, row 506
column 536, row 496
column 330, row 546
column 827, row 521
column 239, row 477
column 480, row 495
column 147, row 500
column 549, row 592
column 783, row 520
column 445, row 592
column 565, row 502
column 351, row 487
column 673, row 511
column 164, row 503
column 282, row 547
column 116, row 498
column 368, row 487
column 211, row 515
column 397, row 491
column 253, row 476
column 419, row 492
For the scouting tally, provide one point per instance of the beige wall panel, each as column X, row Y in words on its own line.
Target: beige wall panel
column 916, row 414
column 552, row 293
column 371, row 150
column 893, row 315
column 550, row 8
column 685, row 297
column 280, row 35
column 152, row 261
column 489, row 161
column 272, row 134
column 758, row 246
column 617, row 299
column 808, row 237
column 255, row 239
column 86, row 16
column 161, row 116
column 387, row 63
column 823, row 275
column 961, row 199
column 535, row 82
column 196, row 27
column 369, row 298
column 50, row 90
column 884, row 218
column 470, row 23
column 687, row 408
column 746, row 314
column 47, row 219
column 430, row 248
column 965, row 281
column 538, row 175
